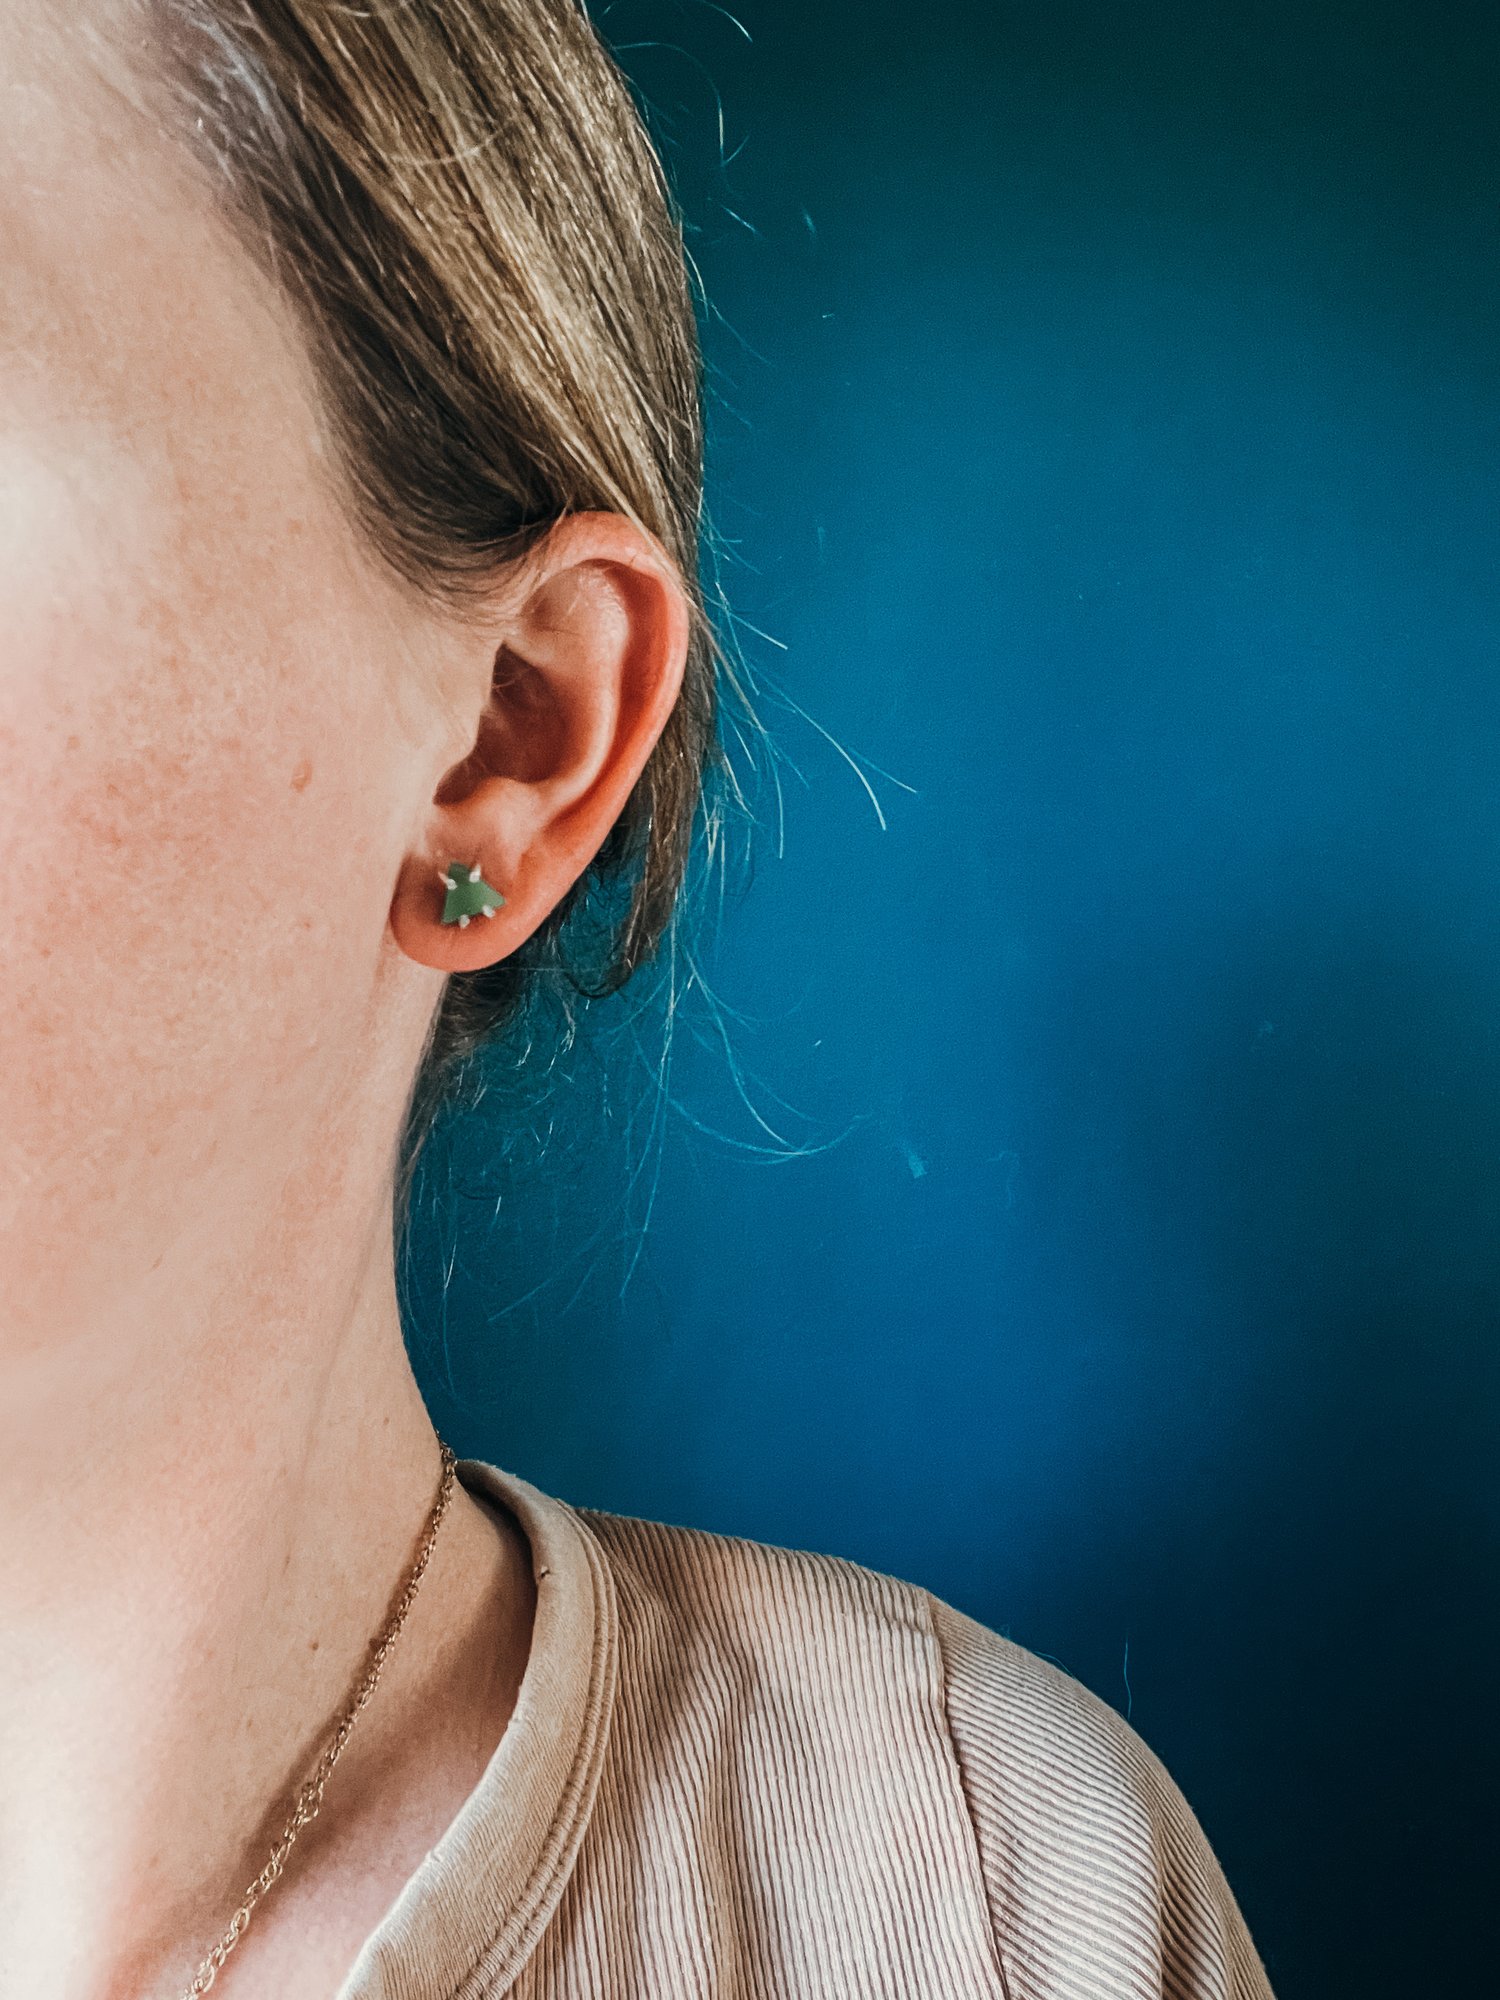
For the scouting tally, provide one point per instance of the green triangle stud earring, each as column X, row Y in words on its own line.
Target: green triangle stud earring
column 469, row 895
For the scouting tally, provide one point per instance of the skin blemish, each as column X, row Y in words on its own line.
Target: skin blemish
column 302, row 776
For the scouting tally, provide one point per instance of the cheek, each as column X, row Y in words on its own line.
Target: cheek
column 195, row 886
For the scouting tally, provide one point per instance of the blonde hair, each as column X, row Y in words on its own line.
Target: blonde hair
column 462, row 202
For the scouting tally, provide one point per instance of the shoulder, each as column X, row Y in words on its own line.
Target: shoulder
column 753, row 1597
column 1089, row 1846
column 1093, row 1874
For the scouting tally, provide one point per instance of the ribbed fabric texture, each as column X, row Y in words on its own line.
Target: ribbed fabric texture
column 807, row 1781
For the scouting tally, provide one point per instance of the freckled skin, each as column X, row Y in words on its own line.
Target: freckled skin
column 219, row 734
column 196, row 669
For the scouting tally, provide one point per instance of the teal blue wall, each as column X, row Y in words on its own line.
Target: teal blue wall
column 1106, row 412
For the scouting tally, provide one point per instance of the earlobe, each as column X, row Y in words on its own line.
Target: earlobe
column 587, row 652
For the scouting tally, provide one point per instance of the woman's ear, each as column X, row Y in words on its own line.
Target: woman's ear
column 588, row 642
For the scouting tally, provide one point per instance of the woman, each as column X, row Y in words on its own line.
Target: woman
column 350, row 461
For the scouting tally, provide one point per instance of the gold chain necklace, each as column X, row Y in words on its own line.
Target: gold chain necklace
column 311, row 1796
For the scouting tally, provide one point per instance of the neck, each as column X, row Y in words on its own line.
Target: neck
column 209, row 1494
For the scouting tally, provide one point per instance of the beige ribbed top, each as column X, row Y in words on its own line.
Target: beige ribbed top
column 740, row 1772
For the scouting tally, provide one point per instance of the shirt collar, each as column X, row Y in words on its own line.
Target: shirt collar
column 470, row 1916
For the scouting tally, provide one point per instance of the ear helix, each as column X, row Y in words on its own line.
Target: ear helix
column 469, row 895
